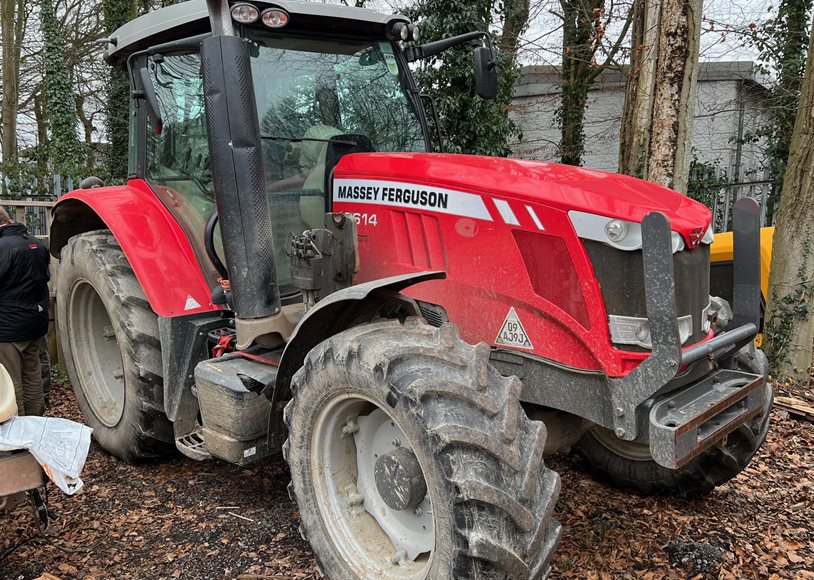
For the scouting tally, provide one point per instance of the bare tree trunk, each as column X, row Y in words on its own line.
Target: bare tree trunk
column 635, row 132
column 790, row 319
column 11, row 28
column 659, row 104
column 515, row 21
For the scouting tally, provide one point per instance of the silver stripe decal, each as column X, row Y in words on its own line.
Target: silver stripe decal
column 533, row 215
column 506, row 212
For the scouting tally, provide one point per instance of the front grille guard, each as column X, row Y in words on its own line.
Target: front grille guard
column 666, row 359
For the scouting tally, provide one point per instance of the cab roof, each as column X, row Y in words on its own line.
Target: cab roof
column 192, row 18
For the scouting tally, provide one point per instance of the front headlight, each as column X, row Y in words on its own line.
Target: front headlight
column 620, row 234
column 631, row 330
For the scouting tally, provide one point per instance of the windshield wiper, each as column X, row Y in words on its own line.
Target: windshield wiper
column 300, row 139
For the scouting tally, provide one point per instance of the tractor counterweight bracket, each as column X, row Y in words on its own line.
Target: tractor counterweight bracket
column 662, row 365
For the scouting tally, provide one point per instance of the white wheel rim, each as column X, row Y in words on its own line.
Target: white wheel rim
column 96, row 354
column 372, row 539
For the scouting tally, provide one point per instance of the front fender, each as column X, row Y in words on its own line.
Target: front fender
column 155, row 245
column 339, row 311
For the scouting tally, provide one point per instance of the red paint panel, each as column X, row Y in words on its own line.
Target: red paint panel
column 155, row 245
column 434, row 241
column 418, row 245
column 562, row 187
column 486, row 277
column 552, row 273
column 401, row 238
column 487, row 273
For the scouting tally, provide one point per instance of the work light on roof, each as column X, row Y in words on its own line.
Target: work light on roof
column 401, row 31
column 245, row 13
column 275, row 18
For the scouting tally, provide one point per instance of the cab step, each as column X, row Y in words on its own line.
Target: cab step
column 193, row 445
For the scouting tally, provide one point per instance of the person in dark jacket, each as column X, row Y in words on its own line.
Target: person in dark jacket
column 23, row 311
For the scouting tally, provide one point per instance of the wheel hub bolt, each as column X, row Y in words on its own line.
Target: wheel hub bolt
column 351, row 427
column 396, row 442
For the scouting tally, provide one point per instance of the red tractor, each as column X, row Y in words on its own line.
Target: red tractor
column 291, row 268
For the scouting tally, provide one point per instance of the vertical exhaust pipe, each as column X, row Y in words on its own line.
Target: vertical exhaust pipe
column 237, row 172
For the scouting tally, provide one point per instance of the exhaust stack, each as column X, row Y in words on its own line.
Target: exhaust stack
column 238, row 175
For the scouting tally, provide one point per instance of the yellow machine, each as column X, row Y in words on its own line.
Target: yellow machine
column 720, row 283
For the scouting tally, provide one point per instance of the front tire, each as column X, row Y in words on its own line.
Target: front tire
column 629, row 465
column 110, row 340
column 489, row 499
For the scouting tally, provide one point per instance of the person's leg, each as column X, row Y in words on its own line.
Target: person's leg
column 32, row 379
column 45, row 368
column 11, row 358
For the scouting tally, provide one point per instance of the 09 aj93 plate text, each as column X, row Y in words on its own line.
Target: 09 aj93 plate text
column 512, row 332
column 410, row 195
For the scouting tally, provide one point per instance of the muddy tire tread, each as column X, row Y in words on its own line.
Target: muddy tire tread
column 503, row 515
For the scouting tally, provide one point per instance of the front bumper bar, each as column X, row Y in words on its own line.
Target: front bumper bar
column 696, row 416
column 686, row 423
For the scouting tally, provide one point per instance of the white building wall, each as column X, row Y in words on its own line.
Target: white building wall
column 715, row 126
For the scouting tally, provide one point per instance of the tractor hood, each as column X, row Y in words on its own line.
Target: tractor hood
column 558, row 186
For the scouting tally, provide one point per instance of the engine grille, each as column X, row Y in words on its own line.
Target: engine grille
column 621, row 280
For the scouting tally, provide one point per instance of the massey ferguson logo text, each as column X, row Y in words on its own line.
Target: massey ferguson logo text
column 395, row 195
column 398, row 194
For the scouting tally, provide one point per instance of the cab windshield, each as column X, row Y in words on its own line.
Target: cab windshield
column 308, row 92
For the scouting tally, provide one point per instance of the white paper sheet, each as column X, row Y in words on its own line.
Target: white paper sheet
column 59, row 445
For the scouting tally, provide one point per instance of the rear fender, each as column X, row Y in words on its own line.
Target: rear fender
column 155, row 245
column 339, row 311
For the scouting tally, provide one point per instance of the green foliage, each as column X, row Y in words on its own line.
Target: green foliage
column 706, row 181
column 117, row 13
column 582, row 29
column 783, row 43
column 65, row 151
column 469, row 123
column 17, row 177
column 60, row 378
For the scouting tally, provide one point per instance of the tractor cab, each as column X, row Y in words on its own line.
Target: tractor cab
column 323, row 85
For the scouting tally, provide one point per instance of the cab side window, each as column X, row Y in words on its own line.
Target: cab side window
column 178, row 157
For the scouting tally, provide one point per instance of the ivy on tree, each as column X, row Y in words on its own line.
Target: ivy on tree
column 66, row 152
column 782, row 42
column 469, row 123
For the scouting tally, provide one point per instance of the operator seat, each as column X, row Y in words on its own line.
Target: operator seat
column 312, row 159
column 312, row 208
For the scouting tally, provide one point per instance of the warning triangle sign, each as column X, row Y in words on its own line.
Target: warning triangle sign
column 191, row 304
column 512, row 332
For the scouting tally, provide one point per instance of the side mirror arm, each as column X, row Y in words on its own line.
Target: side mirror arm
column 414, row 53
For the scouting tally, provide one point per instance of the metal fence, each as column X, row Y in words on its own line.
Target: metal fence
column 34, row 213
column 714, row 188
column 760, row 191
column 29, row 200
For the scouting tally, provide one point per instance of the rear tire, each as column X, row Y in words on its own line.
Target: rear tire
column 629, row 465
column 491, row 496
column 112, row 351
